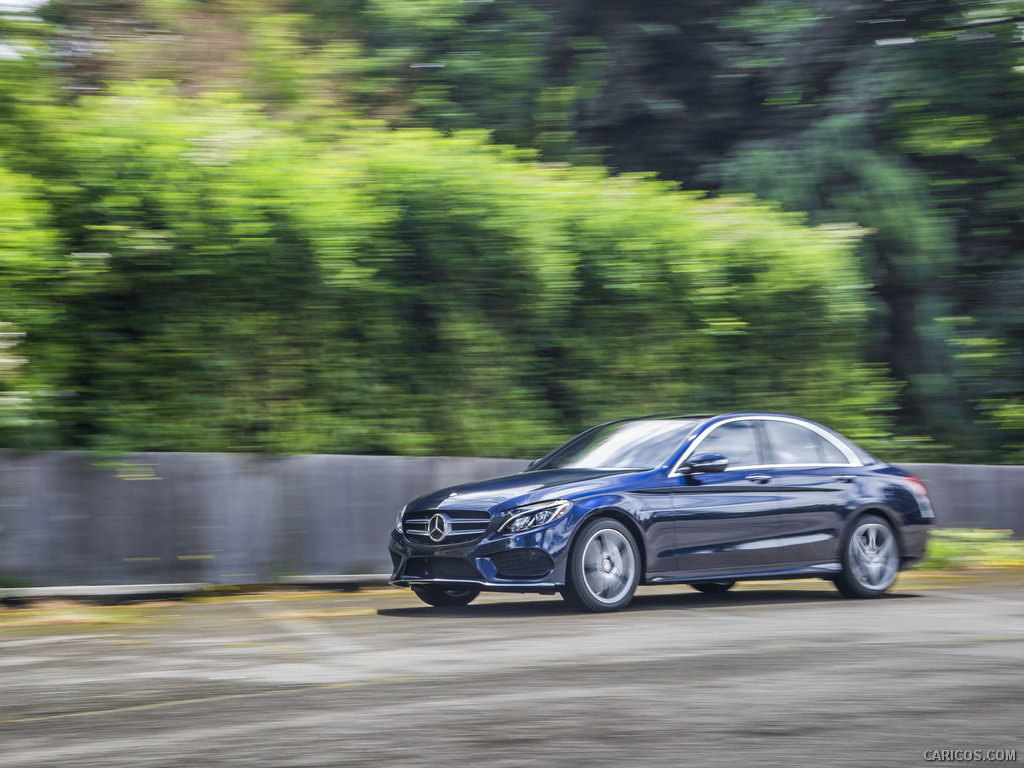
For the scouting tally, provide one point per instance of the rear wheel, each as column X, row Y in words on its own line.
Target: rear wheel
column 870, row 558
column 445, row 597
column 713, row 587
column 604, row 567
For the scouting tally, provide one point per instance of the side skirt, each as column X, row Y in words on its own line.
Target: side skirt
column 815, row 571
column 544, row 588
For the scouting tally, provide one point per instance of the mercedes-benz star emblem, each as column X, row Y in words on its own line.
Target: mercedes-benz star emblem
column 439, row 527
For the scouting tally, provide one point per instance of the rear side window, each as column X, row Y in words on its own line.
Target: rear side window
column 830, row 454
column 736, row 440
column 790, row 443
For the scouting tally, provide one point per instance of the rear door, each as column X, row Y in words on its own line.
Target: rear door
column 816, row 481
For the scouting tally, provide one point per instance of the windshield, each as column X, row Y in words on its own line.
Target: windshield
column 644, row 444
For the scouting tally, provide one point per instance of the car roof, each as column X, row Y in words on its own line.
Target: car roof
column 710, row 416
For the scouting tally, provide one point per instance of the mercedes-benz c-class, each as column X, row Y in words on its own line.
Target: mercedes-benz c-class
column 704, row 501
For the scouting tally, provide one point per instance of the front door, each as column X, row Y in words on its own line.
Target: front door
column 725, row 521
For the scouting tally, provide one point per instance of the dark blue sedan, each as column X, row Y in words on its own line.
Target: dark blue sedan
column 705, row 501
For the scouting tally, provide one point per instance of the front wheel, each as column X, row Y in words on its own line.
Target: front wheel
column 445, row 597
column 870, row 558
column 604, row 567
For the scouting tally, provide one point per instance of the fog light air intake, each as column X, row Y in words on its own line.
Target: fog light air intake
column 523, row 563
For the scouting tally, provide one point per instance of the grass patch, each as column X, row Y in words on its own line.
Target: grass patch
column 69, row 613
column 961, row 548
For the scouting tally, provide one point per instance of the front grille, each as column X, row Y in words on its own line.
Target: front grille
column 523, row 563
column 462, row 525
column 441, row 568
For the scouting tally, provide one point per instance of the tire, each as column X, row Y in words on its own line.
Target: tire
column 713, row 587
column 603, row 569
column 870, row 558
column 445, row 597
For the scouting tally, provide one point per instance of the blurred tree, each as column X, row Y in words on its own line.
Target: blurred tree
column 305, row 249
column 903, row 120
column 29, row 268
column 28, row 91
column 402, row 291
column 899, row 116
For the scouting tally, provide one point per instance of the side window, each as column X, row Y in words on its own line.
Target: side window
column 736, row 440
column 830, row 454
column 795, row 444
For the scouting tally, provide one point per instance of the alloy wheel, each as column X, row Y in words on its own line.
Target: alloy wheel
column 609, row 566
column 873, row 555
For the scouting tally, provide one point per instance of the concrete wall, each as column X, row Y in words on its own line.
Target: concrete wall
column 974, row 495
column 71, row 518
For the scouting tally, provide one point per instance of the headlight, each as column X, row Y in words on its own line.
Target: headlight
column 535, row 515
column 398, row 520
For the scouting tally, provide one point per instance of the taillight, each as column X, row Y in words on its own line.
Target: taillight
column 917, row 487
column 924, row 503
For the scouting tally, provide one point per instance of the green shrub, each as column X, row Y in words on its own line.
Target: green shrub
column 955, row 548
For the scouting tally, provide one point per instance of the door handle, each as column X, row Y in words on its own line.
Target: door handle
column 844, row 478
column 757, row 478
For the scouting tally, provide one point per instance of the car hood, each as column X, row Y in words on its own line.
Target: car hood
column 502, row 493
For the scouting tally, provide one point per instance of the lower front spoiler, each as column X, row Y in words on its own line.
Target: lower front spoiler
column 488, row 586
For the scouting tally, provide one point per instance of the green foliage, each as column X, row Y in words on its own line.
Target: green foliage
column 27, row 92
column 29, row 269
column 905, row 126
column 957, row 548
column 349, row 226
column 241, row 287
column 905, row 122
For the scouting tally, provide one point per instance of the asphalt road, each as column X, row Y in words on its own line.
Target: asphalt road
column 771, row 675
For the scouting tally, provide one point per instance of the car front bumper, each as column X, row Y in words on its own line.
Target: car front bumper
column 539, row 557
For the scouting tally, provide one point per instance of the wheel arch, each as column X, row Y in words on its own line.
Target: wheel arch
column 631, row 525
column 886, row 513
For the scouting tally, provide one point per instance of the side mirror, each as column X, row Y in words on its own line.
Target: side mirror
column 705, row 462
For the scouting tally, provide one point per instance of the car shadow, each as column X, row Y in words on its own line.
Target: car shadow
column 661, row 601
column 745, row 597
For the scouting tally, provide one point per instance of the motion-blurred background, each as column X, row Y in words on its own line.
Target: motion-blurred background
column 476, row 227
